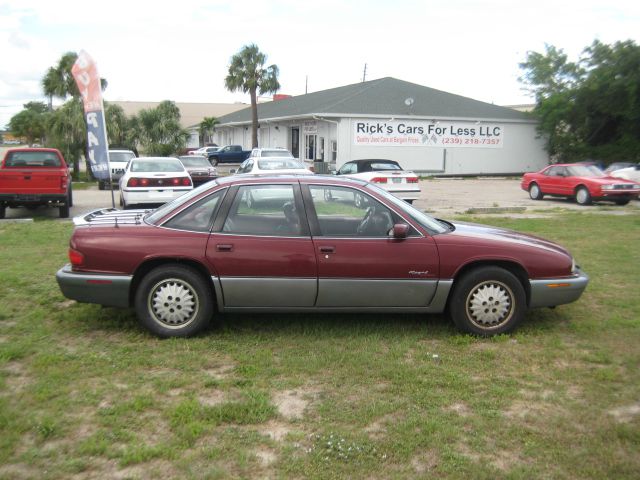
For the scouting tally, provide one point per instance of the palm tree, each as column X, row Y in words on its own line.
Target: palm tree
column 207, row 126
column 58, row 81
column 247, row 73
column 159, row 129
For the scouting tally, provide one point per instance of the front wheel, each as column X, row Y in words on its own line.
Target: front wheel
column 583, row 197
column 3, row 211
column 487, row 301
column 174, row 301
column 534, row 192
column 622, row 202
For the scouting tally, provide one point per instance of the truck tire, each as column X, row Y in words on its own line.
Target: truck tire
column 70, row 196
column 3, row 211
column 64, row 210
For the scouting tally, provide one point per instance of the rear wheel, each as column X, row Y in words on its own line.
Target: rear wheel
column 622, row 201
column 534, row 192
column 174, row 301
column 3, row 211
column 487, row 301
column 64, row 210
column 583, row 197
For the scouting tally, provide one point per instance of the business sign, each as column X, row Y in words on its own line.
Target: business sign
column 85, row 73
column 423, row 133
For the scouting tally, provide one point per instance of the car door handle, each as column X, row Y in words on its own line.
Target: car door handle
column 224, row 247
column 327, row 249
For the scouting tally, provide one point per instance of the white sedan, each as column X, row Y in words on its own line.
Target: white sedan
column 387, row 174
column 153, row 180
column 631, row 173
column 271, row 165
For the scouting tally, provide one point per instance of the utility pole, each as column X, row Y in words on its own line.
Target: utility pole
column 306, row 83
column 364, row 74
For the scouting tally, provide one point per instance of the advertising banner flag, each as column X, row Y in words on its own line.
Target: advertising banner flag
column 85, row 73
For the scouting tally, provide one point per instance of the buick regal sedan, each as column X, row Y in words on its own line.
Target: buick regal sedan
column 302, row 243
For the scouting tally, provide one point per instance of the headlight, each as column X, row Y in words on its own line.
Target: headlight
column 608, row 187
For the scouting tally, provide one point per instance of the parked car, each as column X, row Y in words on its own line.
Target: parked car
column 387, row 174
column 229, row 154
column 118, row 160
column 271, row 165
column 617, row 166
column 245, row 243
column 585, row 183
column 33, row 177
column 199, row 168
column 205, row 151
column 270, row 152
column 631, row 173
column 153, row 180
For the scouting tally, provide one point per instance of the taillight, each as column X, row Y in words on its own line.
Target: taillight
column 144, row 182
column 75, row 257
column 379, row 180
column 133, row 182
column 186, row 181
column 175, row 181
column 64, row 180
column 412, row 179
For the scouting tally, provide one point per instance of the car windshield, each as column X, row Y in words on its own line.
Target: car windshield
column 276, row 153
column 279, row 164
column 155, row 215
column 121, row 157
column 157, row 165
column 429, row 223
column 585, row 171
column 194, row 161
column 385, row 166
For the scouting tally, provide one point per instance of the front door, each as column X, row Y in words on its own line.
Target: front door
column 262, row 250
column 359, row 264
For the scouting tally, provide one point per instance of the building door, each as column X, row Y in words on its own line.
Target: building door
column 310, row 147
column 295, row 141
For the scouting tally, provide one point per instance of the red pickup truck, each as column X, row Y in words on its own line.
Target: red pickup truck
column 31, row 177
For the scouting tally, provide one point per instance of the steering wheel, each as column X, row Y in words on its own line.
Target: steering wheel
column 366, row 220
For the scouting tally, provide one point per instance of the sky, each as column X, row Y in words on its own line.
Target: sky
column 181, row 50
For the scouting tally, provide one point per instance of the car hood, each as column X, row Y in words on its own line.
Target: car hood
column 495, row 234
column 604, row 180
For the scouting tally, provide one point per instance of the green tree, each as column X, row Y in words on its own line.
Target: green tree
column 248, row 74
column 589, row 108
column 207, row 127
column 66, row 131
column 30, row 123
column 58, row 82
column 158, row 129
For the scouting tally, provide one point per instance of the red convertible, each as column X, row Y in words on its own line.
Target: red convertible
column 585, row 183
column 309, row 243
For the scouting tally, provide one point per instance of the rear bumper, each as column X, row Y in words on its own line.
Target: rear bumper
column 133, row 197
column 557, row 291
column 18, row 199
column 108, row 290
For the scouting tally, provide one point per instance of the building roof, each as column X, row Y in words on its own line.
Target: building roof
column 381, row 97
column 191, row 114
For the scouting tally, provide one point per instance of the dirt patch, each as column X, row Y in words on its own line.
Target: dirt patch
column 425, row 462
column 377, row 429
column 275, row 430
column 64, row 305
column 221, row 372
column 291, row 404
column 212, row 398
column 625, row 414
column 460, row 408
column 18, row 379
column 266, row 457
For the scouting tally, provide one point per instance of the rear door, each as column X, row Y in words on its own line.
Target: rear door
column 262, row 250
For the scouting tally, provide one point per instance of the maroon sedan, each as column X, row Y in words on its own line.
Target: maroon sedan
column 585, row 183
column 309, row 243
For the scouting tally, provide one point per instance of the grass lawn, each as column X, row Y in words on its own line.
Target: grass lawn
column 85, row 393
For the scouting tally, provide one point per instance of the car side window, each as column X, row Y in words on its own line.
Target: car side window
column 264, row 210
column 347, row 212
column 197, row 217
column 347, row 169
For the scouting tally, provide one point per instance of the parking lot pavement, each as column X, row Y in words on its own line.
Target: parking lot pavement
column 444, row 197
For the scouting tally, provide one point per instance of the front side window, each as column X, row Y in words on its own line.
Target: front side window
column 264, row 210
column 348, row 168
column 347, row 212
column 199, row 216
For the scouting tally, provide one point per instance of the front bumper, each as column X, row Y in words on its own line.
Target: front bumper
column 107, row 290
column 557, row 291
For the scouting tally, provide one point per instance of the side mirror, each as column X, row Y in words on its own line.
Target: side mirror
column 400, row 230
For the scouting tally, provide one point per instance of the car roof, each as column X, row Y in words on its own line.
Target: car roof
column 370, row 160
column 251, row 178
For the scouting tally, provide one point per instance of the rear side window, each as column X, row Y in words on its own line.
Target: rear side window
column 199, row 216
column 32, row 159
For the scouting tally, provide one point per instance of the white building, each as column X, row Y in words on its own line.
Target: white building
column 425, row 130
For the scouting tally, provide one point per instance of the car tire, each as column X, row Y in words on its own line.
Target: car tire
column 70, row 196
column 487, row 301
column 101, row 185
column 214, row 162
column 3, row 211
column 64, row 210
column 583, row 197
column 622, row 202
column 174, row 301
column 534, row 192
